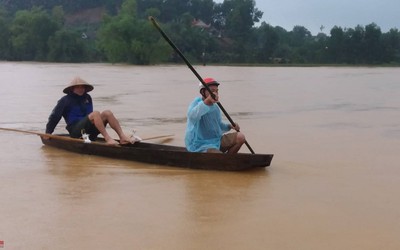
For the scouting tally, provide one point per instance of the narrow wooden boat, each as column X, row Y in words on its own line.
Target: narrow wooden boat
column 161, row 154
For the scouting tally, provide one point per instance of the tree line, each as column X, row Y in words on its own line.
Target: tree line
column 205, row 31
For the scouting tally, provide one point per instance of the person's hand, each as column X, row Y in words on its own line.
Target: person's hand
column 209, row 100
column 236, row 127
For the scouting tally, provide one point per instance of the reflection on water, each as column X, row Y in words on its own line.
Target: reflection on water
column 152, row 121
column 332, row 184
column 344, row 125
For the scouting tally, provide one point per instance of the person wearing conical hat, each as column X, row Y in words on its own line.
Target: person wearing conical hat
column 205, row 130
column 76, row 107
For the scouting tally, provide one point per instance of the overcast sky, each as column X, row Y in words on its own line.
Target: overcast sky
column 344, row 13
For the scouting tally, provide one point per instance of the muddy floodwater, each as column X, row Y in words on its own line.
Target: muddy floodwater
column 333, row 183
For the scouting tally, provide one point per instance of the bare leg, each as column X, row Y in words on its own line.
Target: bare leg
column 240, row 140
column 96, row 118
column 108, row 117
column 213, row 150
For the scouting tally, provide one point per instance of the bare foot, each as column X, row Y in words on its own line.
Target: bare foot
column 111, row 141
column 126, row 140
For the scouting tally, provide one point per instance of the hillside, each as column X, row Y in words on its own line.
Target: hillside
column 71, row 6
column 87, row 16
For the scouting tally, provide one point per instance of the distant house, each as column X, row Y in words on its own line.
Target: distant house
column 225, row 41
column 199, row 23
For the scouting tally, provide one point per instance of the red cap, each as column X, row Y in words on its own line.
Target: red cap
column 208, row 81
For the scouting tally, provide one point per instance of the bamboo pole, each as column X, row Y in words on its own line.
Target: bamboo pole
column 67, row 138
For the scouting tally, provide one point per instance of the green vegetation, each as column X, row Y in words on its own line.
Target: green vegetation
column 118, row 31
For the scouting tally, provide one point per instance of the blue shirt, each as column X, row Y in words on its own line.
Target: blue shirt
column 72, row 107
column 204, row 127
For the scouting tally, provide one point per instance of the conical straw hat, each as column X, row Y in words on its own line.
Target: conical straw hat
column 76, row 82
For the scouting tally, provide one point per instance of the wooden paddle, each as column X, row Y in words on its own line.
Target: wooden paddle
column 67, row 138
column 152, row 19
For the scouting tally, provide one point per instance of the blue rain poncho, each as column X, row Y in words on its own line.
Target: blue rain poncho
column 204, row 127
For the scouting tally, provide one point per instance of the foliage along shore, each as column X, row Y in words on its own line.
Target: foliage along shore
column 206, row 32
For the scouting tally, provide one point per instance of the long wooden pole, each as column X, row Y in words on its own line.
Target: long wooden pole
column 67, row 138
column 152, row 19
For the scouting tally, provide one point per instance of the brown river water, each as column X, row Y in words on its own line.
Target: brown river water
column 333, row 183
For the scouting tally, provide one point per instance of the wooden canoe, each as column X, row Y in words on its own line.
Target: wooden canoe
column 161, row 154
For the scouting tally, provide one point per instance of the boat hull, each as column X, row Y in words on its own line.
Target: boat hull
column 164, row 155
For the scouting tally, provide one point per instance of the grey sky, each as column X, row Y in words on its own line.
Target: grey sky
column 344, row 13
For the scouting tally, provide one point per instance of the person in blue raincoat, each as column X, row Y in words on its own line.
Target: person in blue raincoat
column 205, row 130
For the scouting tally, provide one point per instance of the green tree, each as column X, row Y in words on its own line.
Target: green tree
column 283, row 51
column 373, row 44
column 300, row 41
column 266, row 42
column 145, row 7
column 67, row 46
column 336, row 45
column 299, row 36
column 391, row 45
column 203, row 10
column 58, row 15
column 236, row 19
column 30, row 32
column 114, row 38
column 5, row 45
column 125, row 38
column 354, row 45
column 126, row 35
column 171, row 10
column 320, row 48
